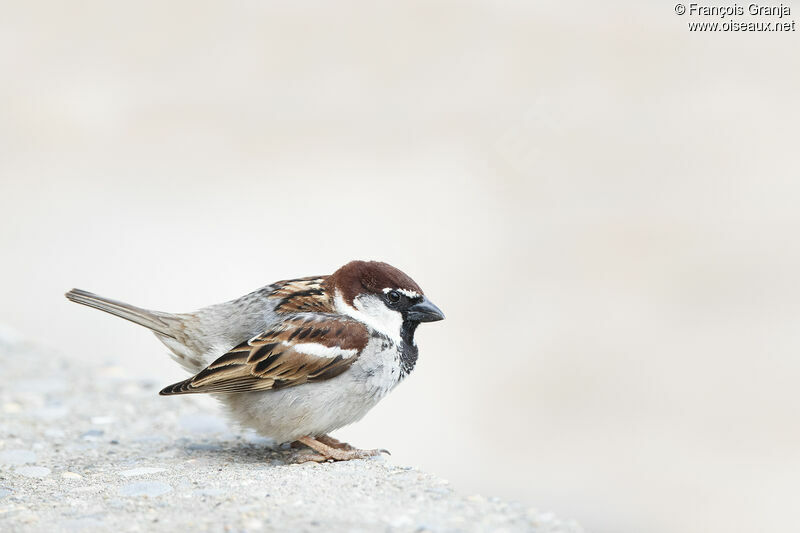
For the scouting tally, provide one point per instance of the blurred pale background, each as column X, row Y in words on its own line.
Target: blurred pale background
column 604, row 204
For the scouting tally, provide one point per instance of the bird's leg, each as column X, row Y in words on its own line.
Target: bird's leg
column 326, row 452
column 324, row 439
column 334, row 443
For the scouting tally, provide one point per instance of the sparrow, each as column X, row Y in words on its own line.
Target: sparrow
column 300, row 358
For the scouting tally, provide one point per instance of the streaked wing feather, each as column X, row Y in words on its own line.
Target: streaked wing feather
column 304, row 348
column 303, row 295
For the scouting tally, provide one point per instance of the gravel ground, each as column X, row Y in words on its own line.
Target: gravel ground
column 85, row 449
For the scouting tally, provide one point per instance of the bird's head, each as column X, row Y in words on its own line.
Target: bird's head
column 381, row 296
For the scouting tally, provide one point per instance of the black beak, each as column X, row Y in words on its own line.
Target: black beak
column 424, row 311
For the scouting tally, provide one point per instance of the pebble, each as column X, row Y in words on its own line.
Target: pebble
column 102, row 420
column 33, row 471
column 401, row 522
column 4, row 492
column 17, row 457
column 71, row 475
column 209, row 492
column 141, row 471
column 145, row 488
column 12, row 407
column 52, row 413
column 93, row 434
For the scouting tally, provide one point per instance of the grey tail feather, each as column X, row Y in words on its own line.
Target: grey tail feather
column 137, row 315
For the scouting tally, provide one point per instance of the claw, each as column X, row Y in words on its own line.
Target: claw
column 339, row 452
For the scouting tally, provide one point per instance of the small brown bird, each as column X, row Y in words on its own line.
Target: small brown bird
column 299, row 358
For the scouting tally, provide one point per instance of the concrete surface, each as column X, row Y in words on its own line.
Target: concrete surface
column 85, row 448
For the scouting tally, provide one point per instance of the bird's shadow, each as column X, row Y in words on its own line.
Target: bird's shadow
column 239, row 451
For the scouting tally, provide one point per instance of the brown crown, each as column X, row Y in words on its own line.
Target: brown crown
column 357, row 277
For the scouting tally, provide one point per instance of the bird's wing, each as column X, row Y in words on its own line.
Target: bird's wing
column 302, row 348
column 302, row 295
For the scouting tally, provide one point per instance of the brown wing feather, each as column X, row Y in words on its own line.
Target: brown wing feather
column 282, row 357
column 303, row 295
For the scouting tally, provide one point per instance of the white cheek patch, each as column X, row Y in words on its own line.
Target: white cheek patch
column 373, row 312
column 320, row 350
column 410, row 294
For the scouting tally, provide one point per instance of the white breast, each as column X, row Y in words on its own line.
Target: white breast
column 319, row 408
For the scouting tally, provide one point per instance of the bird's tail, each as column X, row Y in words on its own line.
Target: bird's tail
column 149, row 319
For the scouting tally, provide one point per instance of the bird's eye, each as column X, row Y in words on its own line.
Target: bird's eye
column 393, row 296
